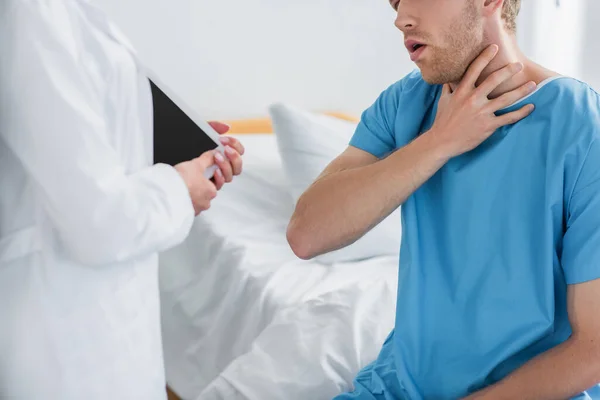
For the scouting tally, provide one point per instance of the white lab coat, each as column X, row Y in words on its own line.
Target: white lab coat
column 83, row 214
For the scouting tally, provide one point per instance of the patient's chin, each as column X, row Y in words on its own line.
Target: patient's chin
column 436, row 77
column 433, row 78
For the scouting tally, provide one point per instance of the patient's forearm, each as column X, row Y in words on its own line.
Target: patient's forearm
column 561, row 373
column 341, row 207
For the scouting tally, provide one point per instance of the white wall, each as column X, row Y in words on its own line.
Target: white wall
column 558, row 35
column 591, row 47
column 232, row 58
column 565, row 38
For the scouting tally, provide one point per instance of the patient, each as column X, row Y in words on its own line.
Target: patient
column 496, row 163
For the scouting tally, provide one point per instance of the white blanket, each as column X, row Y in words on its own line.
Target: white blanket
column 244, row 318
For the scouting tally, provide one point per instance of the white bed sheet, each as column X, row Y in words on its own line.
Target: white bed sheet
column 314, row 348
column 244, row 318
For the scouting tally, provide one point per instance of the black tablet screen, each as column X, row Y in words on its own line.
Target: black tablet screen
column 177, row 138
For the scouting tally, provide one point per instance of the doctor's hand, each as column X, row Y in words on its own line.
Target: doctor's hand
column 229, row 165
column 202, row 191
column 466, row 116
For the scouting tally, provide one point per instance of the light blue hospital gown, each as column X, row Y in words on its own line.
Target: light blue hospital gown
column 490, row 242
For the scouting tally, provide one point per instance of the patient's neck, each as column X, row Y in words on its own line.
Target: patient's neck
column 509, row 52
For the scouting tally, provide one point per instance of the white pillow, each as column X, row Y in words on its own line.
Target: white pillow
column 307, row 143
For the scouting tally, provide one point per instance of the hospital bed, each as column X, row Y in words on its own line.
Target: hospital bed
column 243, row 317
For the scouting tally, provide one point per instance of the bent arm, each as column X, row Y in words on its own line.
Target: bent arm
column 53, row 118
column 573, row 366
column 566, row 370
column 356, row 192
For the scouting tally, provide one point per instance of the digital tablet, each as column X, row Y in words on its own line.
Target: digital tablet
column 179, row 134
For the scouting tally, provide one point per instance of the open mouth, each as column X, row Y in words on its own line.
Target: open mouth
column 413, row 45
column 416, row 47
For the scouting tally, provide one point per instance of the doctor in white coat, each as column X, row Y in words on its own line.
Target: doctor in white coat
column 83, row 213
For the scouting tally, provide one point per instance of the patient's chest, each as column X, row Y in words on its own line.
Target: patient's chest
column 517, row 173
column 497, row 208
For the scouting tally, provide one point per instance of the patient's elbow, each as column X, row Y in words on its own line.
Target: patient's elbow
column 300, row 240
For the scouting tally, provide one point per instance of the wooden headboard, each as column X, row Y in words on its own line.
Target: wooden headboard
column 264, row 125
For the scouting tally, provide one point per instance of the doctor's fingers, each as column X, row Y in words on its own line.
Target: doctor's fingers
column 220, row 127
column 218, row 179
column 235, row 159
column 224, row 166
column 205, row 161
column 233, row 142
column 203, row 194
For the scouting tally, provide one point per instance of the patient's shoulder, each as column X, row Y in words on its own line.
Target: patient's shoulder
column 571, row 95
column 411, row 91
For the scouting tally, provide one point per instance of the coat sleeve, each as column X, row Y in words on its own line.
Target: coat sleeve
column 52, row 118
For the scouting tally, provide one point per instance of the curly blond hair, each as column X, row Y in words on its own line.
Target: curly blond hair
column 510, row 10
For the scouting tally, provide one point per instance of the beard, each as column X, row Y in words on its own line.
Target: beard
column 464, row 41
